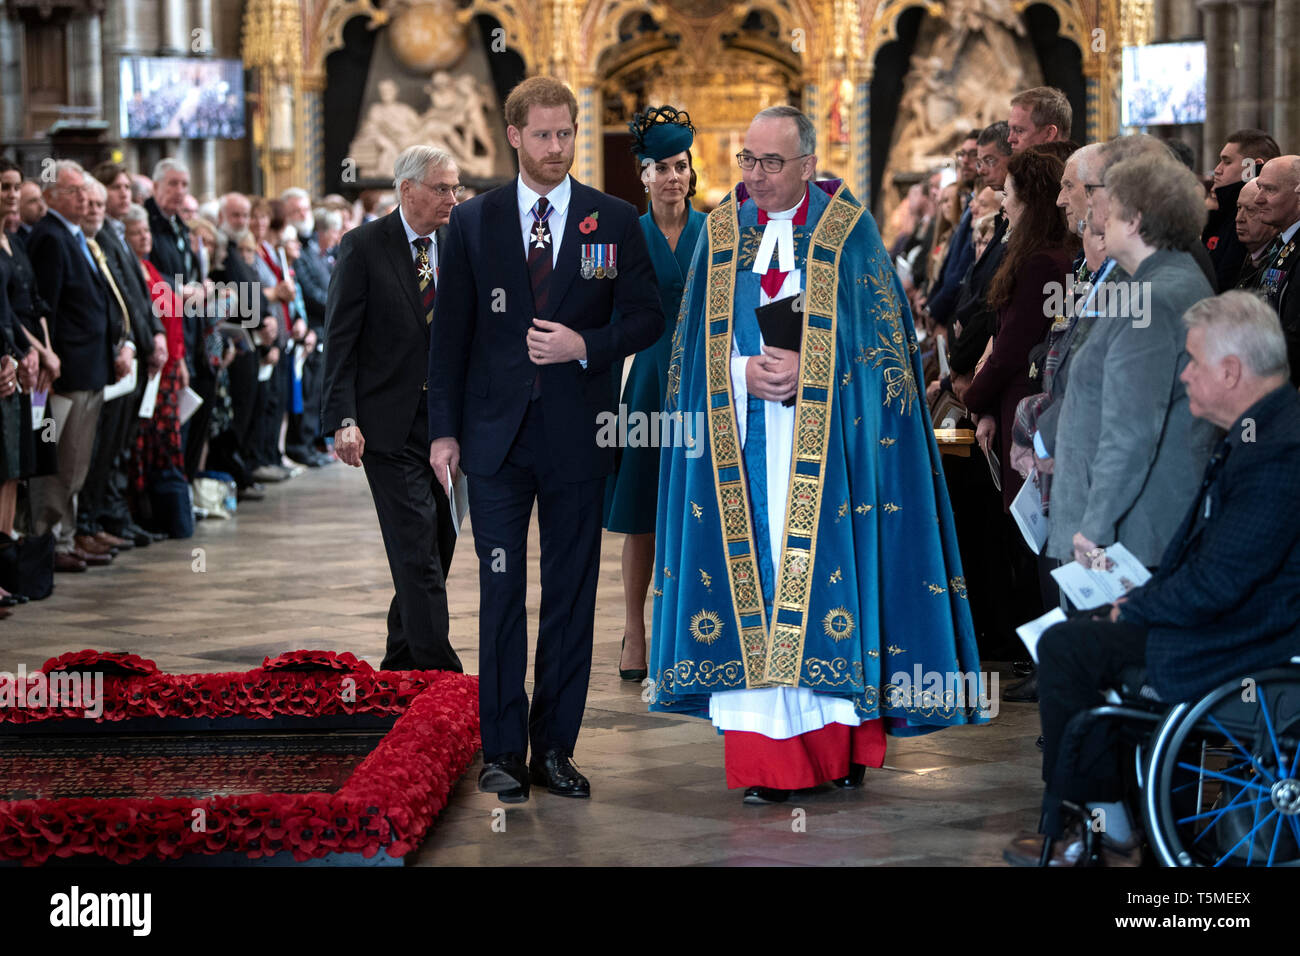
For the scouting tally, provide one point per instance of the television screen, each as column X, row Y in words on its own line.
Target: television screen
column 1164, row 84
column 182, row 98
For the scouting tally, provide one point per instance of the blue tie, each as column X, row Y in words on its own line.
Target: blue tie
column 85, row 251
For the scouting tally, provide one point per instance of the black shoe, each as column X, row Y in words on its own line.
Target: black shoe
column 254, row 492
column 857, row 773
column 1022, row 668
column 1023, row 691
column 506, row 776
column 1039, row 743
column 635, row 673
column 755, row 796
column 137, row 534
column 555, row 770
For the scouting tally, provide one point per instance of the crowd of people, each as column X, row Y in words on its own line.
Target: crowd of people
column 159, row 341
column 1111, row 326
column 1107, row 325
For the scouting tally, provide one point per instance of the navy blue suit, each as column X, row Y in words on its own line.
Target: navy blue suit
column 516, row 447
column 78, row 298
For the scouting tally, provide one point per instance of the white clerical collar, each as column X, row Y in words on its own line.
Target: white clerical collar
column 778, row 239
column 786, row 213
column 558, row 197
column 411, row 234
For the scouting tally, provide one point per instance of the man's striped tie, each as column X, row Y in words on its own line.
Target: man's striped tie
column 424, row 272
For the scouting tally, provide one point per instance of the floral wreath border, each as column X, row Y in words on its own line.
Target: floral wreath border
column 388, row 802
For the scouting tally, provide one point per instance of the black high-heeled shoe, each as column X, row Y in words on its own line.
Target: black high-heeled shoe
column 857, row 773
column 636, row 674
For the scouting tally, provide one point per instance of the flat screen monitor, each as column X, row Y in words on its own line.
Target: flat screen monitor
column 176, row 97
column 1164, row 84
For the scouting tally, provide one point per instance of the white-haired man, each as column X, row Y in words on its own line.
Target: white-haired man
column 70, row 281
column 375, row 391
column 1278, row 202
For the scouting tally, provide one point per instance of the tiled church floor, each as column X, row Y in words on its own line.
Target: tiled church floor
column 305, row 568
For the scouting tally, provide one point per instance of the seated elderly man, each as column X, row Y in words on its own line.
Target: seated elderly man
column 1226, row 597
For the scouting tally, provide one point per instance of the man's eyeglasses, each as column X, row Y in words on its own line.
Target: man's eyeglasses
column 986, row 162
column 770, row 164
column 443, row 190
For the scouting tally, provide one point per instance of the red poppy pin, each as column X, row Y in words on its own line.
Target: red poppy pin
column 1214, row 241
column 588, row 225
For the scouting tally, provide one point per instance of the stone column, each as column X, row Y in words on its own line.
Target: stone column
column 85, row 63
column 11, row 78
column 589, row 163
column 1285, row 125
column 174, row 39
column 1218, row 74
column 1248, row 66
column 860, row 145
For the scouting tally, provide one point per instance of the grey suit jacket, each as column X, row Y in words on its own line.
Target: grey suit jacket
column 1129, row 454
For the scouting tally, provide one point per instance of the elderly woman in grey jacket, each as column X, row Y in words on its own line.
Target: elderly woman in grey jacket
column 1129, row 454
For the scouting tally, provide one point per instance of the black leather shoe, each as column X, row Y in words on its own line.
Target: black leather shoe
column 1022, row 668
column 1039, row 743
column 137, row 534
column 857, row 773
column 762, row 795
column 1023, row 691
column 556, row 772
column 506, row 776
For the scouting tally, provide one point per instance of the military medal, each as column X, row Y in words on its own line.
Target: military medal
column 611, row 270
column 600, row 262
column 588, row 268
column 540, row 237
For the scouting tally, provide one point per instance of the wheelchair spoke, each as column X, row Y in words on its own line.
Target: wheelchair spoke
column 1223, row 859
column 1222, row 810
column 1272, row 735
column 1295, row 828
column 1192, row 783
column 1220, row 776
column 1245, row 753
column 1272, row 850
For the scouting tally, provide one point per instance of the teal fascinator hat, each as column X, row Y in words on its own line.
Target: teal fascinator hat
column 660, row 132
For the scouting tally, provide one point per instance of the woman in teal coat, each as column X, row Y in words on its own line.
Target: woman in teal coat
column 671, row 226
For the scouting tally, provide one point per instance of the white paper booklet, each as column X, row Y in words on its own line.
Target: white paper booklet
column 1087, row 588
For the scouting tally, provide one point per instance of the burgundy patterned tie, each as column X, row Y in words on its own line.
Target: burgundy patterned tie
column 539, row 267
column 424, row 273
column 539, row 254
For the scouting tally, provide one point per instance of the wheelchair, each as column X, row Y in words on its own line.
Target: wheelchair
column 1216, row 781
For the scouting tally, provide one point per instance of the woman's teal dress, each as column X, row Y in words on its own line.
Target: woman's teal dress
column 632, row 491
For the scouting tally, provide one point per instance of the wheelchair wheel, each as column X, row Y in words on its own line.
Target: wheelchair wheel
column 1222, row 780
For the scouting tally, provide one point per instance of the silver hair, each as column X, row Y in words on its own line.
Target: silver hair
column 134, row 213
column 330, row 220
column 60, row 167
column 166, row 166
column 807, row 132
column 416, row 162
column 224, row 202
column 94, row 186
column 1087, row 162
column 1241, row 323
column 295, row 192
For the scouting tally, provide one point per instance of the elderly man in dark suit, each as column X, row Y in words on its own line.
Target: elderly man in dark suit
column 519, row 372
column 173, row 256
column 69, row 279
column 377, row 344
column 1225, row 600
column 1278, row 202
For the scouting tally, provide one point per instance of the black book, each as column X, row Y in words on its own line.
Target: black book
column 781, row 323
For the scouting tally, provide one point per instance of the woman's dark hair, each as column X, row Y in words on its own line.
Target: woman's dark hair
column 1037, row 178
column 8, row 165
